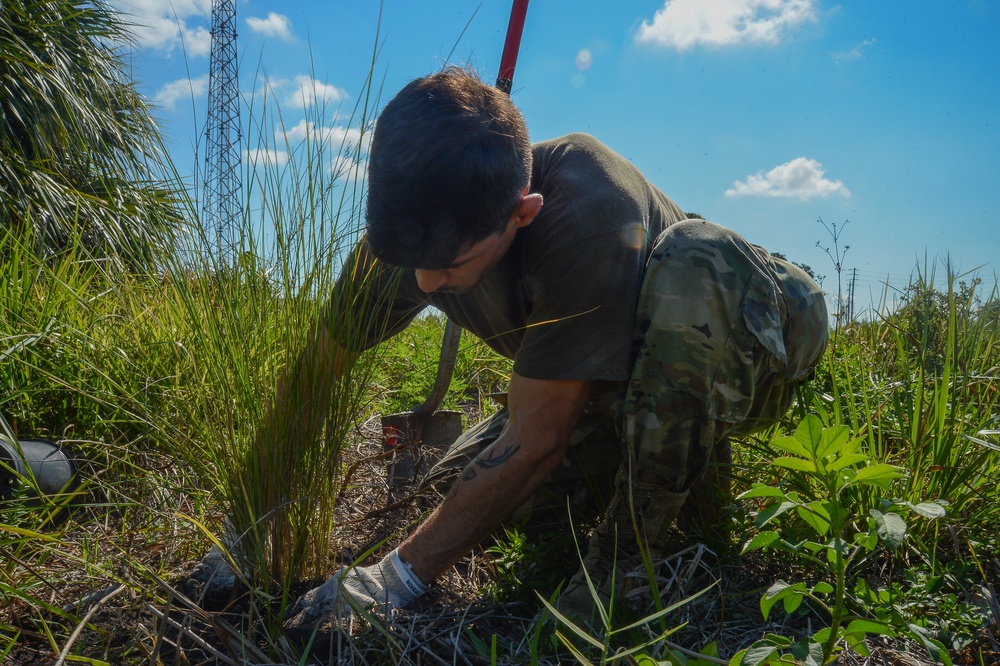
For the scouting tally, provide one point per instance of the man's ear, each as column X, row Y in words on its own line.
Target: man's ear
column 527, row 209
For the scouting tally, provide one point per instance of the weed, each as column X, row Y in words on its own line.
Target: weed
column 829, row 528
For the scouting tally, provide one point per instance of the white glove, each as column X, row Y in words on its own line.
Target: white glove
column 385, row 586
column 214, row 578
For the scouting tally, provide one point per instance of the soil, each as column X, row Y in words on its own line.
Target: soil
column 459, row 622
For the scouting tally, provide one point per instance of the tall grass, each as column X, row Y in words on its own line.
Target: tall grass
column 921, row 386
column 250, row 314
column 164, row 384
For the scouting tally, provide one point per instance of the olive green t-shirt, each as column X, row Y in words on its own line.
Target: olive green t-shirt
column 561, row 302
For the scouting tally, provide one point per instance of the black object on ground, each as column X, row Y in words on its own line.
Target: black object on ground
column 52, row 469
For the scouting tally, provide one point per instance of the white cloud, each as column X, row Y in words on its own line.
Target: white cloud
column 261, row 157
column 802, row 178
column 685, row 24
column 275, row 25
column 335, row 136
column 170, row 94
column 310, row 92
column 167, row 25
column 856, row 52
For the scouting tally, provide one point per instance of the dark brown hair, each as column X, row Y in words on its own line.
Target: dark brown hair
column 449, row 158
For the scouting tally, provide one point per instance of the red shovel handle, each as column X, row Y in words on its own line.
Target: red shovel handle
column 511, row 45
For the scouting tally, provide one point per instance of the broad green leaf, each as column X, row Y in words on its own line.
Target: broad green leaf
column 758, row 653
column 762, row 540
column 891, row 528
column 864, row 591
column 930, row 510
column 847, row 475
column 776, row 589
column 792, row 602
column 869, row 627
column 837, row 545
column 810, row 433
column 779, row 592
column 816, row 516
column 937, row 651
column 822, row 636
column 857, row 643
column 771, row 597
column 772, row 512
column 791, row 445
column 822, row 587
column 812, row 546
column 878, row 472
column 868, row 540
column 846, row 460
column 808, row 652
column 761, row 490
column 795, row 463
column 833, row 440
column 764, row 649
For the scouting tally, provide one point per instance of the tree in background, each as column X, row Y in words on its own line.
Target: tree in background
column 81, row 158
column 926, row 315
column 805, row 267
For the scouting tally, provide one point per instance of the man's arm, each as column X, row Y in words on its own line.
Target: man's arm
column 543, row 414
column 302, row 397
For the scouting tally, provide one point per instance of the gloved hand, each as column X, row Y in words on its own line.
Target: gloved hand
column 385, row 586
column 213, row 578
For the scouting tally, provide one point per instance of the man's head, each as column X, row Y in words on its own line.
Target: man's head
column 448, row 167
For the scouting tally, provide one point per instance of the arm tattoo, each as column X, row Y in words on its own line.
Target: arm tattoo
column 496, row 459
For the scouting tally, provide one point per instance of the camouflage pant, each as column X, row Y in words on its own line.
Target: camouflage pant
column 724, row 334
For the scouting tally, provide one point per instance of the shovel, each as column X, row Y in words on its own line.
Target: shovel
column 418, row 438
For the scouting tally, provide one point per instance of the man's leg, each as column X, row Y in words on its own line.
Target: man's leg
column 710, row 361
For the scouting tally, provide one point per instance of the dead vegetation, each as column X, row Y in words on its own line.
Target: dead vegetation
column 128, row 609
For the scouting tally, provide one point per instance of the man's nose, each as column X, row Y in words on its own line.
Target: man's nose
column 430, row 281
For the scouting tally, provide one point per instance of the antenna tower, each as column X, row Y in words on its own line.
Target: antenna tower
column 223, row 184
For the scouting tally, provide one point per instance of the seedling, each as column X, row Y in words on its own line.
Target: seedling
column 835, row 529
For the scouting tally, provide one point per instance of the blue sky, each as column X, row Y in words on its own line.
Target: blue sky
column 762, row 115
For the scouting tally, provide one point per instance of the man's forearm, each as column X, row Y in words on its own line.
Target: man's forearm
column 302, row 396
column 498, row 481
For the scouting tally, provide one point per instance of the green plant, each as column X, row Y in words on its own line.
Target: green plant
column 406, row 374
column 607, row 646
column 81, row 161
column 829, row 528
column 250, row 327
column 524, row 562
column 643, row 641
column 920, row 386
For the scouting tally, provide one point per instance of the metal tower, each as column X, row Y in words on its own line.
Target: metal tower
column 223, row 184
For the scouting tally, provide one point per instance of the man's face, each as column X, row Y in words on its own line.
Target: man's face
column 469, row 266
column 475, row 261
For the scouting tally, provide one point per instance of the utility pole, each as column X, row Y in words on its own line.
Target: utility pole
column 223, row 185
column 850, row 295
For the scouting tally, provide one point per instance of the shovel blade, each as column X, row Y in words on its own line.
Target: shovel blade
column 413, row 451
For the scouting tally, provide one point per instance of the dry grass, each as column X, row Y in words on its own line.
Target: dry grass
column 132, row 612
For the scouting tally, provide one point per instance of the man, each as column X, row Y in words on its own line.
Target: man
column 638, row 337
